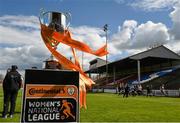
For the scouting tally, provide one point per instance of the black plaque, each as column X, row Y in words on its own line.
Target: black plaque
column 50, row 96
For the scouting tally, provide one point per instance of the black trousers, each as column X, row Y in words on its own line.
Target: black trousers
column 9, row 96
column 126, row 94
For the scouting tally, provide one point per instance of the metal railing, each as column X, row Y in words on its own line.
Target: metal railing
column 168, row 93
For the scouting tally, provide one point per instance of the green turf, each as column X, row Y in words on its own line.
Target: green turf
column 113, row 108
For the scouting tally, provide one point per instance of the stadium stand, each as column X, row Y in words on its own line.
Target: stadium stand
column 157, row 66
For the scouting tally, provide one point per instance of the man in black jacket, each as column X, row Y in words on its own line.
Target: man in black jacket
column 11, row 85
column 126, row 91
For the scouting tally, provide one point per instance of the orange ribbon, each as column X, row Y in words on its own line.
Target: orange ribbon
column 52, row 38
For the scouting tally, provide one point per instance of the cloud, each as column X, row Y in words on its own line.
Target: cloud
column 149, row 34
column 20, row 42
column 123, row 36
column 89, row 35
column 134, row 36
column 24, row 57
column 175, row 17
column 153, row 5
column 20, row 21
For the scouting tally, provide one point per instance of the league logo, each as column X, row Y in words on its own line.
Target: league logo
column 71, row 90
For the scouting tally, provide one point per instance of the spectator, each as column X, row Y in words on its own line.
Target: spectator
column 119, row 89
column 11, row 85
column 136, row 88
column 133, row 91
column 151, row 90
column 148, row 89
column 126, row 91
column 139, row 91
column 162, row 89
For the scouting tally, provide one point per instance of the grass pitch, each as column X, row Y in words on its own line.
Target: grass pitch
column 103, row 107
column 114, row 108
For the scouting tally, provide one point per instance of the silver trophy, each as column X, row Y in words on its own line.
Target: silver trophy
column 58, row 21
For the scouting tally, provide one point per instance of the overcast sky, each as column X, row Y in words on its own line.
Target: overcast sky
column 134, row 26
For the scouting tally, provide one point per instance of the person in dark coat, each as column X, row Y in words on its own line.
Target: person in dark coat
column 126, row 91
column 11, row 84
column 119, row 89
column 148, row 89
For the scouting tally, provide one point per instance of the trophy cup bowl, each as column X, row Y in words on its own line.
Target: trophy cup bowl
column 57, row 21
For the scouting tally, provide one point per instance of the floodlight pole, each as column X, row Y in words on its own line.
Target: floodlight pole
column 139, row 71
column 106, row 31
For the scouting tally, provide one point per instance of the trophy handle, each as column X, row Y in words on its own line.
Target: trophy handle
column 42, row 12
column 68, row 17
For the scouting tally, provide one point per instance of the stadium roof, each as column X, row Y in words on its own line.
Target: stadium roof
column 158, row 52
column 153, row 56
column 97, row 63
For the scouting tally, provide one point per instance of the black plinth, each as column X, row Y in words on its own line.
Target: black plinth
column 50, row 96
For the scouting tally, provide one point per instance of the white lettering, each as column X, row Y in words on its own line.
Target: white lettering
column 31, row 104
column 35, row 117
column 40, row 117
column 43, row 117
column 29, row 117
